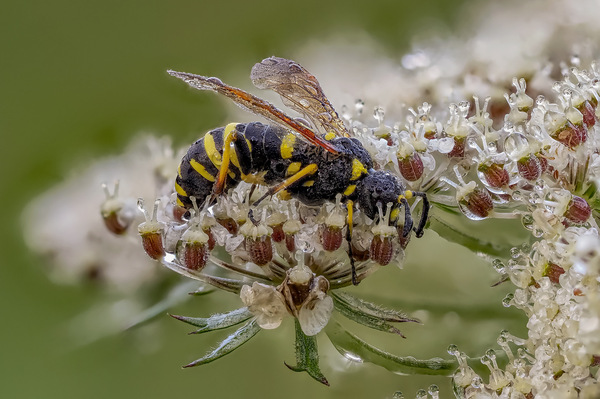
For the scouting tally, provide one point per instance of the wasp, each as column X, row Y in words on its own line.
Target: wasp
column 312, row 159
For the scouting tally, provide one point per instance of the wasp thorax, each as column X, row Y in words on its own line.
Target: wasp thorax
column 152, row 232
column 578, row 210
column 194, row 248
column 116, row 217
column 257, row 241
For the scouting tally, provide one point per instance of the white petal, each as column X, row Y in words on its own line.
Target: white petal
column 264, row 302
column 313, row 316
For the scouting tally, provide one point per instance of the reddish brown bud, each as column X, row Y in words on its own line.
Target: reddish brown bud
column 553, row 272
column 114, row 224
column 529, row 167
column 401, row 239
column 290, row 242
column 195, row 255
column 477, row 204
column 589, row 113
column 543, row 162
column 578, row 210
column 382, row 249
column 259, row 249
column 359, row 254
column 153, row 244
column 229, row 224
column 411, row 167
column 577, row 292
column 458, row 151
column 211, row 238
column 570, row 135
column 178, row 213
column 278, row 234
column 495, row 175
column 331, row 237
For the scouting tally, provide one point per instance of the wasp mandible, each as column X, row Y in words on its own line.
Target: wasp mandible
column 313, row 163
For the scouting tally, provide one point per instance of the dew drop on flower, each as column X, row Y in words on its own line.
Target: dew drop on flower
column 398, row 395
column 421, row 394
column 507, row 301
column 453, row 350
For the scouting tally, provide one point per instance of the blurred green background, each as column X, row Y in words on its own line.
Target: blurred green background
column 79, row 80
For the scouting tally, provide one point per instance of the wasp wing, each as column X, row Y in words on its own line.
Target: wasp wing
column 254, row 105
column 300, row 91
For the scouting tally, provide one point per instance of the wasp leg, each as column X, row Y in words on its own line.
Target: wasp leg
column 408, row 221
column 229, row 136
column 350, row 207
column 306, row 171
column 424, row 213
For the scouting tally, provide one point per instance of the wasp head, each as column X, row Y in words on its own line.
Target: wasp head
column 378, row 187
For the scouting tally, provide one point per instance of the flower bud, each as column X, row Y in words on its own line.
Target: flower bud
column 116, row 219
column 477, row 204
column 382, row 249
column 290, row 229
column 578, row 211
column 411, row 167
column 529, row 167
column 494, row 175
column 553, row 272
column 152, row 232
column 194, row 248
column 589, row 114
column 257, row 242
column 458, row 151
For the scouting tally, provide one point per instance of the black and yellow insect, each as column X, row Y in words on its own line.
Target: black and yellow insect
column 313, row 166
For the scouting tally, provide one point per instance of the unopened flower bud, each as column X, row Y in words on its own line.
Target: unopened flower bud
column 563, row 131
column 411, row 167
column 258, row 243
column 195, row 248
column 494, row 175
column 529, row 167
column 477, row 204
column 115, row 217
column 152, row 232
column 578, row 211
column 290, row 229
column 553, row 272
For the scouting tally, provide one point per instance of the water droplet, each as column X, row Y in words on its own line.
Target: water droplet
column 507, row 301
column 498, row 265
column 490, row 353
column 398, row 395
column 421, row 394
column 477, row 382
column 515, row 252
column 359, row 105
column 434, row 391
column 527, row 221
column 453, row 350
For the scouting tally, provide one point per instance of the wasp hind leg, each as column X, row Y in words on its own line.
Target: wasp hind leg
column 306, row 171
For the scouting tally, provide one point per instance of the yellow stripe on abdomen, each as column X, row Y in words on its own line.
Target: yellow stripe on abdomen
column 198, row 167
